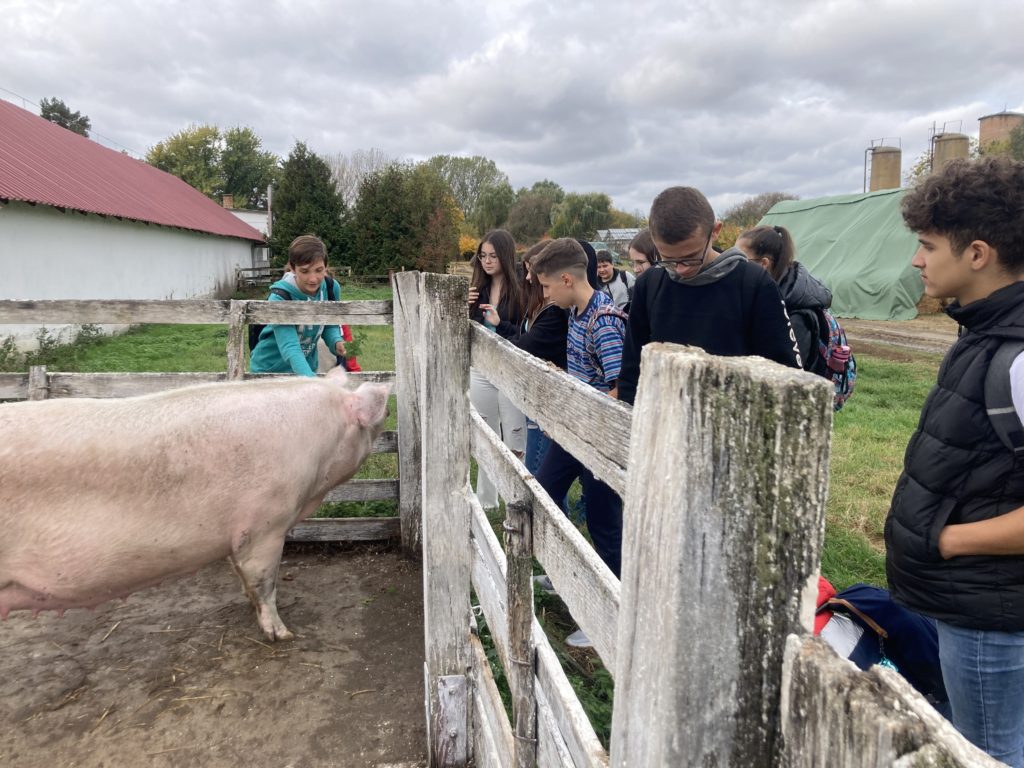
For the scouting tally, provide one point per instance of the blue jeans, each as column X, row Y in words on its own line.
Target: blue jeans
column 984, row 676
column 604, row 508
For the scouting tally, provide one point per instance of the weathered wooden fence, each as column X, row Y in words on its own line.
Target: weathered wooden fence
column 38, row 383
column 724, row 479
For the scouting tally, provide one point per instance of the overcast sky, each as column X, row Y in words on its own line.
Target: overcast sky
column 625, row 96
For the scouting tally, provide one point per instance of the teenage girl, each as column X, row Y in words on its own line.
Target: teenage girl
column 542, row 334
column 496, row 285
column 772, row 248
column 642, row 253
column 292, row 348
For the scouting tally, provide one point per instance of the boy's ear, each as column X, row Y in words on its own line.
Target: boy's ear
column 981, row 254
column 567, row 279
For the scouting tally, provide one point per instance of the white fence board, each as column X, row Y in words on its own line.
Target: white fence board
column 346, row 529
column 584, row 583
column 561, row 404
column 193, row 311
column 492, row 732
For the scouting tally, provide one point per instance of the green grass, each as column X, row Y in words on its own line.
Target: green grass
column 869, row 437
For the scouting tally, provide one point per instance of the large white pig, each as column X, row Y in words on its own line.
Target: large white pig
column 100, row 498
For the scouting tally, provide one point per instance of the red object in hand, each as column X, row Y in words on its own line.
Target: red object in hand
column 351, row 364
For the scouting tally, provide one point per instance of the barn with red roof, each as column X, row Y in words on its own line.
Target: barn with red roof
column 81, row 221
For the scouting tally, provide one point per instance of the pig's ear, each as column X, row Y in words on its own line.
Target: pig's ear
column 369, row 404
column 338, row 373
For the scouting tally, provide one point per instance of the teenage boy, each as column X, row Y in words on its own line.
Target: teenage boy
column 697, row 296
column 617, row 283
column 594, row 356
column 955, row 531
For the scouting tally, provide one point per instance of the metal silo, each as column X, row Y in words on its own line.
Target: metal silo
column 947, row 147
column 885, row 167
column 997, row 127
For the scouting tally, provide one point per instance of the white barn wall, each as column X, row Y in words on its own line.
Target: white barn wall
column 49, row 254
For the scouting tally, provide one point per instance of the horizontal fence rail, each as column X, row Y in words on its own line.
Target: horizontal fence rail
column 193, row 311
column 585, row 584
column 558, row 402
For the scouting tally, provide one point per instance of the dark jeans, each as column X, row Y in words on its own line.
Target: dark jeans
column 604, row 508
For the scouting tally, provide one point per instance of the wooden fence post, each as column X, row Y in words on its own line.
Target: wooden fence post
column 521, row 653
column 725, row 501
column 443, row 347
column 236, row 339
column 38, row 383
column 407, row 288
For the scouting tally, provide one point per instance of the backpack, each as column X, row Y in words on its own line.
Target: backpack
column 999, row 397
column 831, row 336
column 256, row 329
column 588, row 333
column 893, row 636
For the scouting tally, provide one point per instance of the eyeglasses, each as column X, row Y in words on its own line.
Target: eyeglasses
column 696, row 261
column 484, row 255
column 639, row 262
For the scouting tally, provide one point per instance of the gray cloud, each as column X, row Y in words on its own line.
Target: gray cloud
column 735, row 97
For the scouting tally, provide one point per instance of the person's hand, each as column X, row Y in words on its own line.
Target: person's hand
column 490, row 314
column 473, row 294
column 339, row 348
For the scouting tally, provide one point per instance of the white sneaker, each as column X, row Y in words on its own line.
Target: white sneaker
column 544, row 584
column 579, row 640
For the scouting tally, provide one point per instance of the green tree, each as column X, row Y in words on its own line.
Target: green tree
column 746, row 214
column 247, row 170
column 492, row 207
column 469, row 179
column 549, row 189
column 193, row 155
column 56, row 111
column 307, row 202
column 530, row 216
column 405, row 218
column 580, row 215
column 1015, row 143
column 623, row 220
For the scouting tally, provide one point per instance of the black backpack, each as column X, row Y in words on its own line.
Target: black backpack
column 999, row 397
column 256, row 329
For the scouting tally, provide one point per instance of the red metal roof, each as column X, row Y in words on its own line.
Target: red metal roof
column 40, row 162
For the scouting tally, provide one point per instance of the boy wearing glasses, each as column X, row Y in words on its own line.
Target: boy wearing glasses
column 696, row 296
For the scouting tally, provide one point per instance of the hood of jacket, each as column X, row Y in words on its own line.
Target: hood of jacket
column 802, row 290
column 711, row 271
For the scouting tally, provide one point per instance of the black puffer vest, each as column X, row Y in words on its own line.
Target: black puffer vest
column 956, row 470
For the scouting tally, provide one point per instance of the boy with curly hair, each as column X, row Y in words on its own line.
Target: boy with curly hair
column 955, row 530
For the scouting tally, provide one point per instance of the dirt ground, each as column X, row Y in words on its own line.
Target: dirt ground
column 180, row 675
column 925, row 333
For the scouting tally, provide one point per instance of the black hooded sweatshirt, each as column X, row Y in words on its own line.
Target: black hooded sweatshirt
column 804, row 295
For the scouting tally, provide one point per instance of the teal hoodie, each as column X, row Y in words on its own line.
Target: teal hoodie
column 292, row 348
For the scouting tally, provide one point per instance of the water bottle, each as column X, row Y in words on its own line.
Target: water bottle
column 839, row 359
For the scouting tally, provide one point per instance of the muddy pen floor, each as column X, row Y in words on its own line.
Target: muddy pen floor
column 180, row 675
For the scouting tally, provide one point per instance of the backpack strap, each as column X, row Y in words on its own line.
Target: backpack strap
column 331, row 296
column 588, row 334
column 832, row 602
column 999, row 397
column 281, row 293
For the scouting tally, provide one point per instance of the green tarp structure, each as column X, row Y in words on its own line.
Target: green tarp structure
column 859, row 247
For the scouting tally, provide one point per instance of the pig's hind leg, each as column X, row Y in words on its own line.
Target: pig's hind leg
column 256, row 563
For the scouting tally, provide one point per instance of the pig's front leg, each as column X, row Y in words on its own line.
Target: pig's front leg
column 256, row 563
